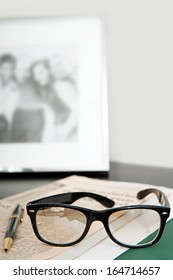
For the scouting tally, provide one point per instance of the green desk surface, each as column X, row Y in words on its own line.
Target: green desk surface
column 163, row 250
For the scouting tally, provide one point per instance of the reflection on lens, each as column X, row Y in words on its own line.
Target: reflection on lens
column 60, row 225
column 131, row 226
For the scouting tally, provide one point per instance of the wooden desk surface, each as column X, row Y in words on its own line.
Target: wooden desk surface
column 12, row 183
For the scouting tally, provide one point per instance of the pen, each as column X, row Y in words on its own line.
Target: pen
column 15, row 219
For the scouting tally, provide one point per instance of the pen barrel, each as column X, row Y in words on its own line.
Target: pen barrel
column 13, row 222
column 12, row 226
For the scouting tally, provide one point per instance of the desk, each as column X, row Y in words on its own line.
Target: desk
column 13, row 184
column 16, row 183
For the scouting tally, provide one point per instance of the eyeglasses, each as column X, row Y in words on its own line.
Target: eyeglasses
column 56, row 222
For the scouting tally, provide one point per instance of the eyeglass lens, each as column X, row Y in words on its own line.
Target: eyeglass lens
column 60, row 225
column 131, row 226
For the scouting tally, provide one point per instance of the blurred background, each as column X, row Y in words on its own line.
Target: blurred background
column 140, row 71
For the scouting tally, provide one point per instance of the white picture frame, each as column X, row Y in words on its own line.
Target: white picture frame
column 80, row 42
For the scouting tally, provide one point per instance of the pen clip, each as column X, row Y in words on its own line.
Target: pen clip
column 21, row 215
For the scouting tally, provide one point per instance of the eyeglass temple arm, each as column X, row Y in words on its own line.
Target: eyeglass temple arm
column 160, row 195
column 69, row 198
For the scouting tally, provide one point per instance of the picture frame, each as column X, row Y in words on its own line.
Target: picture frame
column 53, row 95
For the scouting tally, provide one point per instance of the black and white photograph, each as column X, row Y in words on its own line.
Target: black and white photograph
column 53, row 94
column 38, row 94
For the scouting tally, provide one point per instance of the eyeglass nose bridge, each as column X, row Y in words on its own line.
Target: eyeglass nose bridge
column 99, row 216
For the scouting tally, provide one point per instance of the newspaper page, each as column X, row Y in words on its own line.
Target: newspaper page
column 27, row 246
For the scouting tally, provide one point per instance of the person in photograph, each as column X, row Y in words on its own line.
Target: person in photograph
column 40, row 111
column 48, row 109
column 9, row 95
column 63, row 74
column 40, row 75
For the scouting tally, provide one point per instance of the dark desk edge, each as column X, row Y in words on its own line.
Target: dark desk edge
column 118, row 172
column 154, row 175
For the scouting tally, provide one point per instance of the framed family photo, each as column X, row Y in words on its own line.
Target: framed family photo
column 53, row 95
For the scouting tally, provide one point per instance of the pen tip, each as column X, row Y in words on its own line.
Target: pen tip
column 8, row 242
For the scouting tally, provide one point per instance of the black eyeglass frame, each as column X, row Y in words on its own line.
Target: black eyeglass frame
column 65, row 199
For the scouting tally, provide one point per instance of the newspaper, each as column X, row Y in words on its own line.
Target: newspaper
column 27, row 246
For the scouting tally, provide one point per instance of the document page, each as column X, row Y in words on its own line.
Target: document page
column 27, row 246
